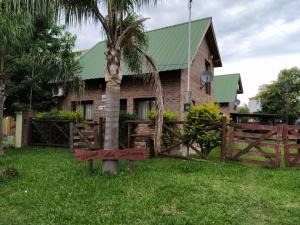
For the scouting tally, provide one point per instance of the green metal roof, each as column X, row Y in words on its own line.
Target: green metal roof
column 167, row 46
column 226, row 87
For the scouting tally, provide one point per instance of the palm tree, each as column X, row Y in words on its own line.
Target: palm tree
column 126, row 42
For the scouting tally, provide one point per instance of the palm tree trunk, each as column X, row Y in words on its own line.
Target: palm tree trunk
column 2, row 87
column 112, row 109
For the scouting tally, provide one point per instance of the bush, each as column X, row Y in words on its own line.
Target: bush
column 123, row 128
column 198, row 125
column 8, row 173
column 168, row 138
column 60, row 115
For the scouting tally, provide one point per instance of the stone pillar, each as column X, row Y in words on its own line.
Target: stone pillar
column 19, row 124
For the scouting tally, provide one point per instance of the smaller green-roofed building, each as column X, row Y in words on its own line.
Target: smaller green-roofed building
column 227, row 87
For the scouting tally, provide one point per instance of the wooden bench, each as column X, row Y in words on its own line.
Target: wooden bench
column 130, row 154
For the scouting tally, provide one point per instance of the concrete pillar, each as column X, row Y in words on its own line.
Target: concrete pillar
column 19, row 123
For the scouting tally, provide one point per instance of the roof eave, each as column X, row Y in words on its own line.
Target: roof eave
column 217, row 61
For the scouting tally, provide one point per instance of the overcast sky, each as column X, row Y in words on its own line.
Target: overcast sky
column 257, row 38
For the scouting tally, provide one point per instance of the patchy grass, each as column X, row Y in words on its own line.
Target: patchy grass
column 52, row 189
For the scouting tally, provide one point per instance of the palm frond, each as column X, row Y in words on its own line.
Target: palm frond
column 133, row 43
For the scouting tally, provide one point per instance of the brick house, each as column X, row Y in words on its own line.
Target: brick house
column 227, row 87
column 168, row 47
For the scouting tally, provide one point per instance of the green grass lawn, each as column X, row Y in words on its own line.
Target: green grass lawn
column 52, row 189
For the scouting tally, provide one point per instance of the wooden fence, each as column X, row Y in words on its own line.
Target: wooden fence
column 291, row 140
column 248, row 143
column 257, row 144
column 63, row 133
column 262, row 144
column 49, row 133
column 176, row 129
column 87, row 135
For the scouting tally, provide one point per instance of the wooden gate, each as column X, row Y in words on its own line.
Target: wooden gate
column 88, row 135
column 291, row 141
column 175, row 129
column 49, row 133
column 256, row 144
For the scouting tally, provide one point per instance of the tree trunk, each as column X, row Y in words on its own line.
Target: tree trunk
column 112, row 109
column 2, row 87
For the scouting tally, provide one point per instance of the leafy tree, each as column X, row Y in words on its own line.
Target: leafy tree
column 16, row 24
column 126, row 42
column 48, row 57
column 14, row 29
column 243, row 109
column 282, row 96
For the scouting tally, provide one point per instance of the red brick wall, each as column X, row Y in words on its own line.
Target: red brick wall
column 131, row 88
column 199, row 95
column 93, row 92
column 134, row 87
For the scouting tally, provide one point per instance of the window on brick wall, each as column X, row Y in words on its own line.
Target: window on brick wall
column 85, row 108
column 143, row 106
column 207, row 85
column 123, row 105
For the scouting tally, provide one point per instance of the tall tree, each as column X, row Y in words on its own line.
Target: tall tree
column 243, row 109
column 16, row 18
column 47, row 57
column 282, row 97
column 126, row 42
column 15, row 27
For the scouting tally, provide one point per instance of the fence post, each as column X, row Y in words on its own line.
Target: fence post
column 29, row 131
column 129, row 144
column 71, row 136
column 96, row 135
column 101, row 142
column 278, row 145
column 223, row 140
column 231, row 139
column 285, row 144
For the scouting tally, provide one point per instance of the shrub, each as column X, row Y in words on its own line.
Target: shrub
column 123, row 128
column 198, row 126
column 168, row 138
column 60, row 115
column 8, row 173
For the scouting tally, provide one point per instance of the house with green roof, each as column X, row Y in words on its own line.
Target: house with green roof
column 168, row 46
column 227, row 87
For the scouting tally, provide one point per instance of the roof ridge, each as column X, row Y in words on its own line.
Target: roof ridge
column 179, row 24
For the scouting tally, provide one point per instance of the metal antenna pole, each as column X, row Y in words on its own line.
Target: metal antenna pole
column 188, row 88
